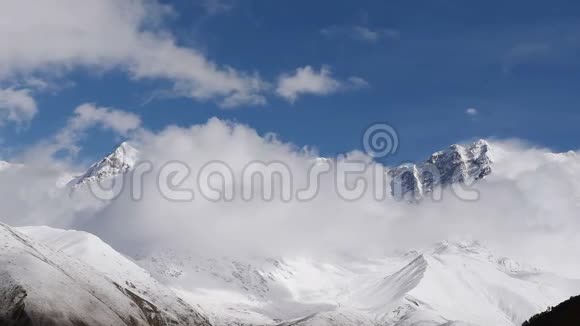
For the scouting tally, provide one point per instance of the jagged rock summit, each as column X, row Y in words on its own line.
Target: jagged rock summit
column 457, row 163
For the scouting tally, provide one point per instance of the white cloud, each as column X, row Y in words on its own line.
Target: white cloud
column 366, row 34
column 360, row 33
column 53, row 36
column 472, row 111
column 44, row 85
column 531, row 196
column 357, row 82
column 61, row 148
column 87, row 116
column 16, row 105
column 309, row 81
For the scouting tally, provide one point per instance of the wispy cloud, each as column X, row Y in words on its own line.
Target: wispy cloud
column 355, row 82
column 87, row 116
column 360, row 33
column 525, row 52
column 16, row 105
column 214, row 7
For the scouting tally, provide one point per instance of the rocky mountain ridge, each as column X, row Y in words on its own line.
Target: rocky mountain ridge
column 456, row 164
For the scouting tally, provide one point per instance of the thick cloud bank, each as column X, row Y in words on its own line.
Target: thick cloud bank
column 526, row 208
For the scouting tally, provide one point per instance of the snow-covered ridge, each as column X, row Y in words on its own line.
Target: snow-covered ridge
column 42, row 284
column 119, row 161
column 456, row 164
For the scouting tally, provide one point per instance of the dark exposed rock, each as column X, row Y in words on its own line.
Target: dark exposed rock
column 566, row 313
column 453, row 165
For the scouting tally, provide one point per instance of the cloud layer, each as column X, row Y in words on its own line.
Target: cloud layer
column 56, row 36
column 532, row 195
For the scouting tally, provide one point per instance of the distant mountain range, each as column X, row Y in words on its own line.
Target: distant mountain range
column 456, row 164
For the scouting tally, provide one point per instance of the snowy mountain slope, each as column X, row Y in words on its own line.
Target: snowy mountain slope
column 97, row 254
column 231, row 291
column 257, row 291
column 450, row 284
column 119, row 161
column 455, row 164
column 41, row 285
column 453, row 274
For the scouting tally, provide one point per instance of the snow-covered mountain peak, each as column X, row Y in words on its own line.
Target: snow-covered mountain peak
column 458, row 163
column 119, row 161
column 127, row 150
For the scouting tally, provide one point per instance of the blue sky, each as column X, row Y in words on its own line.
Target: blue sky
column 423, row 63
